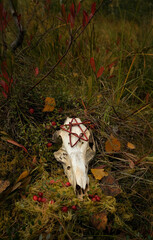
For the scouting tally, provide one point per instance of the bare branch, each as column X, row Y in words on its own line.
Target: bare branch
column 18, row 41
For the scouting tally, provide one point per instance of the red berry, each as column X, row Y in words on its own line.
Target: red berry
column 52, row 202
column 49, row 145
column 67, row 184
column 39, row 199
column 74, row 207
column 94, row 199
column 90, row 195
column 97, row 198
column 53, row 123
column 40, row 194
column 31, row 110
column 64, row 209
column 35, row 198
column 44, row 200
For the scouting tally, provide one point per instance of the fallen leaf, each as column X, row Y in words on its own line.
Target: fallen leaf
column 3, row 185
column 99, row 173
column 49, row 104
column 112, row 144
column 14, row 143
column 110, row 186
column 16, row 186
column 130, row 145
column 23, row 175
column 99, row 221
column 131, row 164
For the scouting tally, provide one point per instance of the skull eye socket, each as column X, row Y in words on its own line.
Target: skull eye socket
column 68, row 168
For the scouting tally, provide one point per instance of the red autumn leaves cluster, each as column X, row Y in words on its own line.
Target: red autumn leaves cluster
column 101, row 69
column 71, row 15
column 74, row 11
column 86, row 18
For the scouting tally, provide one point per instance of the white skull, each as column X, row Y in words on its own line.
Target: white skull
column 76, row 153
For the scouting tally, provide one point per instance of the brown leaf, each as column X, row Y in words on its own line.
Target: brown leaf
column 131, row 164
column 98, row 173
column 112, row 144
column 23, row 175
column 99, row 221
column 110, row 186
column 49, row 104
column 3, row 185
column 16, row 186
column 130, row 145
column 7, row 139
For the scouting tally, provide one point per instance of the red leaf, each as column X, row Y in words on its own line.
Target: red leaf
column 17, row 144
column 4, row 85
column 85, row 18
column 63, row 10
column 93, row 8
column 100, row 72
column 79, row 7
column 111, row 65
column 92, row 63
column 90, row 16
column 111, row 76
column 4, row 94
column 72, row 10
column 68, row 18
column 72, row 21
column 36, row 71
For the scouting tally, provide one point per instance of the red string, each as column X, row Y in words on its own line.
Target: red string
column 71, row 124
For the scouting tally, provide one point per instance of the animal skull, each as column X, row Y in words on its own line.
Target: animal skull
column 76, row 153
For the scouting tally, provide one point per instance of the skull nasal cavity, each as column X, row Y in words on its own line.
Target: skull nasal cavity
column 78, row 187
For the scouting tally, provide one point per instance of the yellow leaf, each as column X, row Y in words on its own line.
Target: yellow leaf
column 99, row 173
column 75, row 74
column 112, row 144
column 49, row 104
column 23, row 175
column 130, row 145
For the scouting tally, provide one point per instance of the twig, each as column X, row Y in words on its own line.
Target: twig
column 70, row 44
column 18, row 41
column 72, row 40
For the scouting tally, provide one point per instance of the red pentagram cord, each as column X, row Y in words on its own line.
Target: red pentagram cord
column 68, row 128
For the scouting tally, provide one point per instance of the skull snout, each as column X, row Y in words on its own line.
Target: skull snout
column 80, row 191
column 81, row 180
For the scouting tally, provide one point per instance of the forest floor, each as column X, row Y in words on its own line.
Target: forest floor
column 104, row 77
